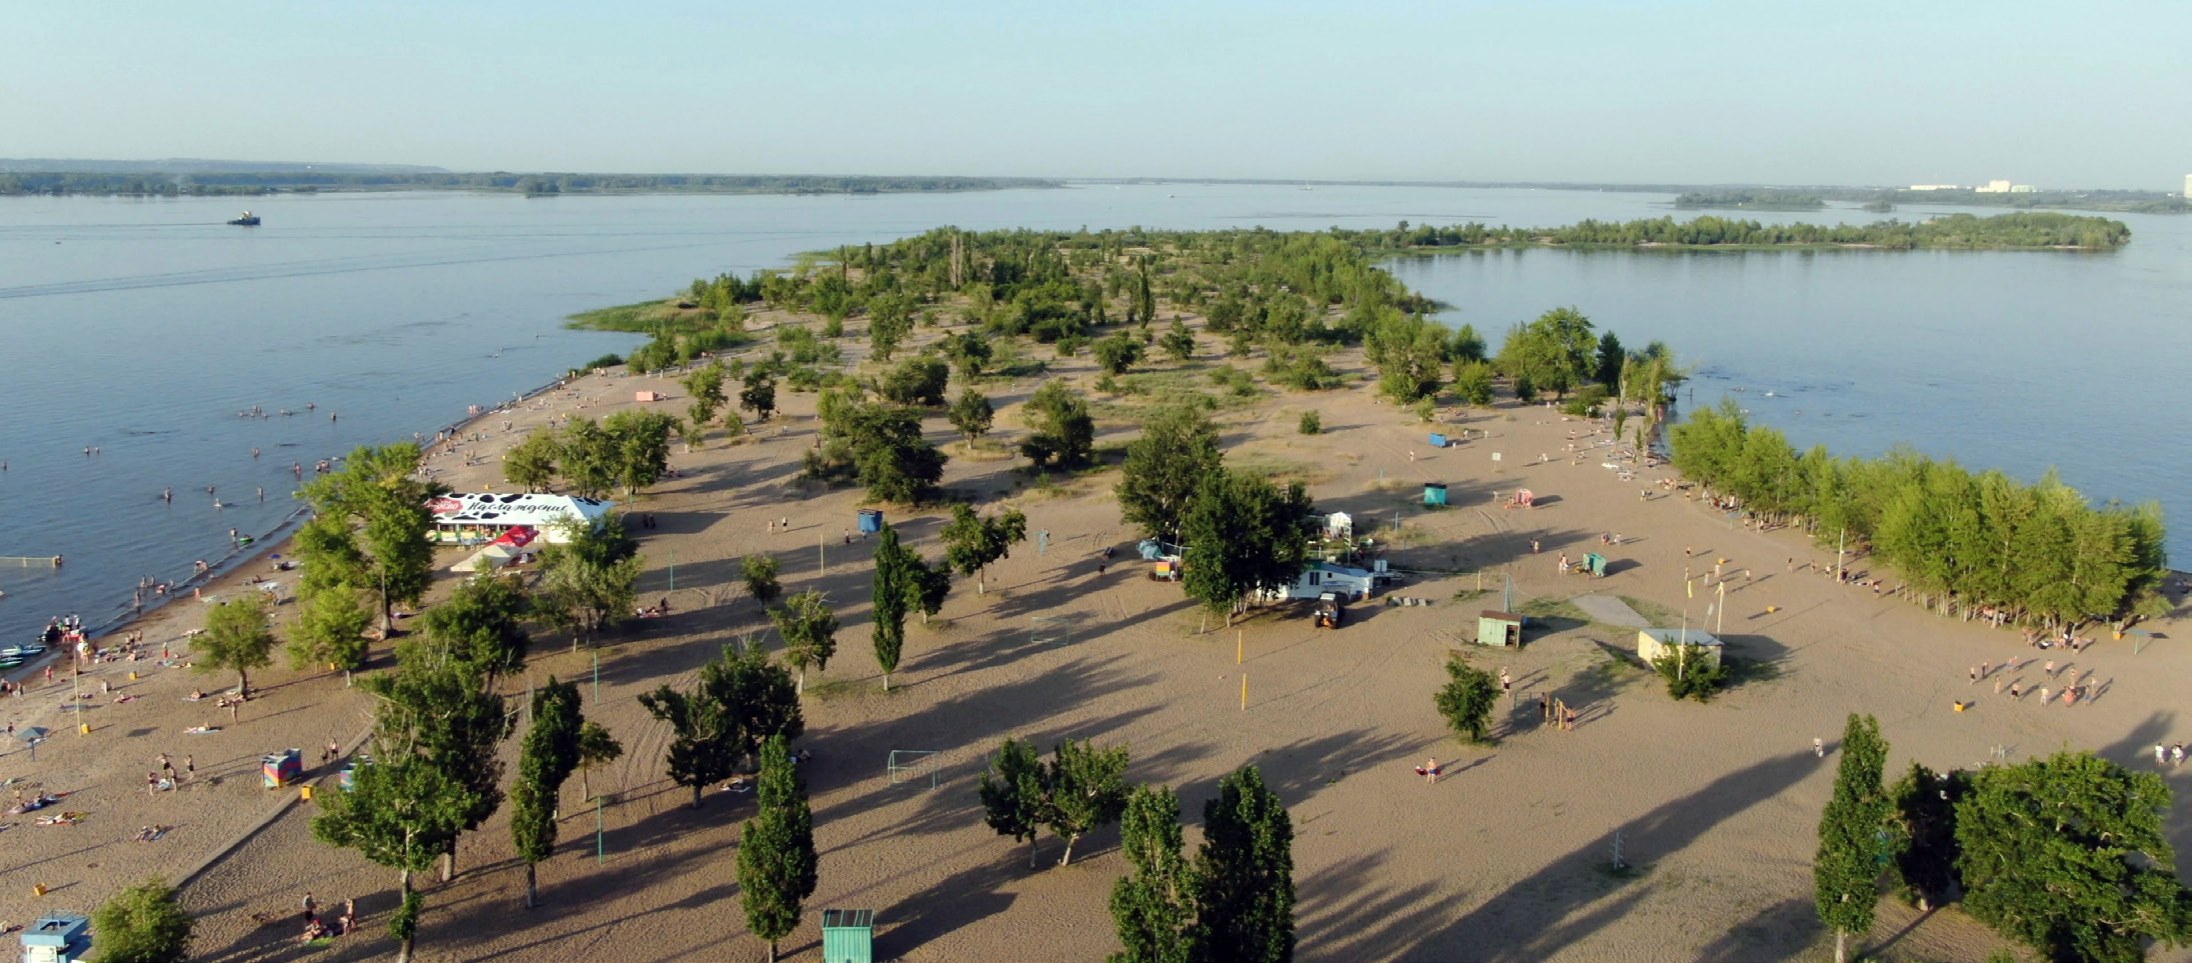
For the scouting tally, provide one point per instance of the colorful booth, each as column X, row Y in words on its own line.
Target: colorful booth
column 485, row 517
column 280, row 769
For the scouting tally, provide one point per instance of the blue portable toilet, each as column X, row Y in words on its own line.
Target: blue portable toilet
column 1438, row 440
column 57, row 938
column 1434, row 493
column 871, row 521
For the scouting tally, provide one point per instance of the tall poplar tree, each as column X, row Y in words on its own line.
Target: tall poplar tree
column 1154, row 906
column 894, row 587
column 1852, row 845
column 1245, row 873
column 776, row 858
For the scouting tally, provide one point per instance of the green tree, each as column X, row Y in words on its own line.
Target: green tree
column 642, row 446
column 894, row 590
column 880, row 445
column 1554, row 353
column 776, row 857
column 1178, row 343
column 1242, row 534
column 1409, row 352
column 589, row 582
column 375, row 492
column 444, row 709
column 1154, row 905
column 1473, row 382
column 1178, row 448
column 918, row 381
column 1015, row 791
column 596, row 747
column 705, row 385
column 810, row 632
column 1060, row 429
column 546, row 757
column 482, row 625
column 1245, row 873
column 758, row 394
column 1465, row 346
column 1611, row 359
column 1925, row 816
column 330, row 629
column 969, row 353
column 760, row 572
column 144, row 923
column 589, row 457
column 972, row 414
column 1117, row 353
column 531, row 464
column 973, row 543
column 703, row 734
column 403, row 811
column 1852, row 836
column 1691, row 672
column 1087, row 790
column 2069, row 856
column 1467, row 699
column 236, row 639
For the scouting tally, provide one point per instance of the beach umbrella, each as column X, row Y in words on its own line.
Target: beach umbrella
column 32, row 736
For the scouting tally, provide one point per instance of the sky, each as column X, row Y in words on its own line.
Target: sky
column 2093, row 94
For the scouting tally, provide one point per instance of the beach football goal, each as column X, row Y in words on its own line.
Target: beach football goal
column 1050, row 629
column 912, row 766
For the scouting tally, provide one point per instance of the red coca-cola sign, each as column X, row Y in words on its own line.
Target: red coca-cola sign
column 445, row 506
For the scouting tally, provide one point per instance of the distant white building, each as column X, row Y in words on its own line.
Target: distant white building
column 1993, row 187
column 1958, row 187
column 2023, row 189
column 2188, row 185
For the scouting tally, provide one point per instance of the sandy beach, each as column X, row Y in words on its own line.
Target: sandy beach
column 1507, row 857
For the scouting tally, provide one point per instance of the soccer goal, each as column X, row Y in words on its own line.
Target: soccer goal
column 912, row 765
column 1051, row 629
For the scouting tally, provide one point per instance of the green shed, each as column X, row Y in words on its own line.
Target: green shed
column 1495, row 627
column 848, row 936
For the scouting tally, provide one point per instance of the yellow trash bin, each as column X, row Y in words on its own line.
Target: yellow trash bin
column 38, row 889
column 83, row 728
column 305, row 793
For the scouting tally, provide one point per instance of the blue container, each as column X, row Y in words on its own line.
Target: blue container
column 1438, row 440
column 59, row 937
column 871, row 521
column 1434, row 493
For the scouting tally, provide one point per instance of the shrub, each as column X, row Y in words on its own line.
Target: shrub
column 1311, row 424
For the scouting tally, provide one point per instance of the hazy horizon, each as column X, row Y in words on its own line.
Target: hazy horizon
column 1577, row 91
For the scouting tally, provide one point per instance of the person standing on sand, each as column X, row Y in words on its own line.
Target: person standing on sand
column 2176, row 754
column 2161, row 753
column 1818, row 747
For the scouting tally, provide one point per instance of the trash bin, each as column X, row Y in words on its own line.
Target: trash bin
column 848, row 936
column 871, row 521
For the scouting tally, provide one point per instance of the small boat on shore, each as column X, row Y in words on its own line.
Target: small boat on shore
column 247, row 220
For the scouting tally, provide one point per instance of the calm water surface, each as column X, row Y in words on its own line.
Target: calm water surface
column 142, row 328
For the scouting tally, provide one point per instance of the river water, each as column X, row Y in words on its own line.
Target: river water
column 143, row 327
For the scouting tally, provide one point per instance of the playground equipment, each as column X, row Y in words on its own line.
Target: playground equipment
column 848, row 936
column 911, row 765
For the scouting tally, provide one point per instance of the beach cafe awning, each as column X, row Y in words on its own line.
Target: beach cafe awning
column 545, row 513
column 494, row 556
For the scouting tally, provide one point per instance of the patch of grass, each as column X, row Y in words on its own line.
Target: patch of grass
column 833, row 689
column 644, row 317
column 1468, row 594
column 1275, row 467
column 1552, row 608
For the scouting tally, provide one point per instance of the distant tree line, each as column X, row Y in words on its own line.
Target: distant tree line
column 1963, row 541
column 218, row 183
column 1954, row 231
column 1749, row 200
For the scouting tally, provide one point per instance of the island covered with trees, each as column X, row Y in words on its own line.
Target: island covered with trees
column 2002, row 232
column 1749, row 200
column 185, row 183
